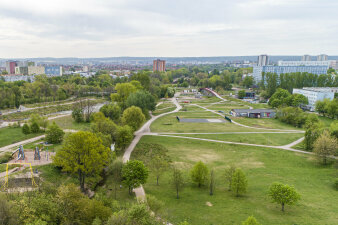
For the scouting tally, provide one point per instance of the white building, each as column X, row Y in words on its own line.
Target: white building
column 322, row 57
column 306, row 58
column 304, row 63
column 263, row 60
column 315, row 94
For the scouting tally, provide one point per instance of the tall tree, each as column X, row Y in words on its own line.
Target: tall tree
column 134, row 174
column 283, row 194
column 199, row 173
column 212, row 182
column 229, row 173
column 325, row 146
column 239, row 182
column 116, row 170
column 158, row 166
column 177, row 181
column 133, row 117
column 82, row 153
column 54, row 134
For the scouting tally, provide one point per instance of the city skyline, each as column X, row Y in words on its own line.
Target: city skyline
column 185, row 28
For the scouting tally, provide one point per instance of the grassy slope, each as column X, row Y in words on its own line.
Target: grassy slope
column 263, row 139
column 262, row 167
column 264, row 123
column 67, row 122
column 10, row 135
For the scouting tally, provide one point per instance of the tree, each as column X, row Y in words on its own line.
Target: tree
column 241, row 94
column 250, row 221
column 35, row 128
column 283, row 194
column 111, row 111
column 248, row 81
column 239, row 182
column 54, row 134
column 332, row 108
column 142, row 99
column 133, row 117
column 77, row 115
column 123, row 91
column 212, row 182
column 229, row 173
column 177, row 181
column 199, row 173
column 320, row 107
column 280, row 97
column 134, row 174
column 325, row 146
column 124, row 136
column 82, row 153
column 26, row 129
column 158, row 165
column 116, row 170
column 312, row 132
column 7, row 213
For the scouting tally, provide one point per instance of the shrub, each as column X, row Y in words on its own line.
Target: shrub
column 26, row 129
column 35, row 127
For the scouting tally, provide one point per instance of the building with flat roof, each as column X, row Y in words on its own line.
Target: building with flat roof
column 304, row 63
column 10, row 67
column 253, row 113
column 53, row 70
column 36, row 70
column 322, row 57
column 159, row 65
column 21, row 70
column 306, row 58
column 314, row 94
column 263, row 60
column 258, row 70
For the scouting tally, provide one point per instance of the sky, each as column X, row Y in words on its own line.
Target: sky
column 173, row 28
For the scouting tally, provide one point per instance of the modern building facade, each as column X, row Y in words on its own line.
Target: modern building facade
column 263, row 60
column 322, row 57
column 306, row 58
column 315, row 94
column 53, row 70
column 304, row 63
column 10, row 67
column 258, row 70
column 159, row 65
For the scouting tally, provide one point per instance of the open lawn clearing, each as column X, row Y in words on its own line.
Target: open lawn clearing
column 11, row 135
column 264, row 123
column 169, row 124
column 277, row 139
column 262, row 167
column 326, row 121
column 205, row 100
column 67, row 122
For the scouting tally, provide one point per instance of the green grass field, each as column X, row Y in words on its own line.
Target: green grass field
column 67, row 122
column 264, row 123
column 10, row 135
column 262, row 139
column 318, row 204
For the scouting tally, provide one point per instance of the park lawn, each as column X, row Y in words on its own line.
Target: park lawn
column 67, row 122
column 205, row 100
column 169, row 124
column 255, row 138
column 11, row 135
column 326, row 121
column 158, row 112
column 262, row 166
column 264, row 123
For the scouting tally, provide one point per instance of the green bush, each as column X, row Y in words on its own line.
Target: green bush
column 5, row 157
column 26, row 129
column 35, row 127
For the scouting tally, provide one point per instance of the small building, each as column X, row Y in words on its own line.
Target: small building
column 253, row 113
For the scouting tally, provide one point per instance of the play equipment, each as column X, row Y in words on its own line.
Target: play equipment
column 21, row 153
column 5, row 185
column 37, row 153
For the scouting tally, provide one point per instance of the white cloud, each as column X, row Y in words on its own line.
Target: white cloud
column 95, row 28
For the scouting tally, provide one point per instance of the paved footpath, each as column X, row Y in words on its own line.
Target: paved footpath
column 145, row 130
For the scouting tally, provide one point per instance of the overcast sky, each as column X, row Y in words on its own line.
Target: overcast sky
column 103, row 28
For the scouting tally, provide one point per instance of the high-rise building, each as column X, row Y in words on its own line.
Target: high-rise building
column 36, row 70
column 303, row 63
column 322, row 57
column 53, row 70
column 263, row 60
column 159, row 65
column 10, row 67
column 306, row 58
column 21, row 70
